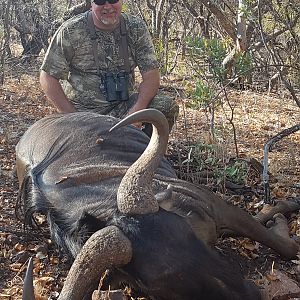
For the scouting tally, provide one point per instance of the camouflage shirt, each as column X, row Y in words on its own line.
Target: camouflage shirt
column 70, row 58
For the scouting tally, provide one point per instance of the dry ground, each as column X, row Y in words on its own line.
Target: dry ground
column 257, row 117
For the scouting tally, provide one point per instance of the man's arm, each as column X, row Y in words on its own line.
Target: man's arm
column 147, row 90
column 55, row 93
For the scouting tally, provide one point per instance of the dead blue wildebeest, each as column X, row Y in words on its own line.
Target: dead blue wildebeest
column 111, row 204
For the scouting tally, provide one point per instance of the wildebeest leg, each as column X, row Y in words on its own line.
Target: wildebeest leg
column 200, row 207
column 241, row 223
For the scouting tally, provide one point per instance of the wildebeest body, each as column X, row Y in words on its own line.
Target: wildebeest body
column 70, row 168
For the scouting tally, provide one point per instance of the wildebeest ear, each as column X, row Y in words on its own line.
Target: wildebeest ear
column 165, row 194
column 88, row 223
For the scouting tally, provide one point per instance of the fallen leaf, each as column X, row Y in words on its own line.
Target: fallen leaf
column 15, row 267
column 281, row 286
column 19, row 247
column 43, row 281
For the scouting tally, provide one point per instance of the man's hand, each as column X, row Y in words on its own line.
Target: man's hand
column 147, row 91
column 134, row 109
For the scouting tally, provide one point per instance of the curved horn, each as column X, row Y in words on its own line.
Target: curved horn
column 106, row 248
column 135, row 195
column 28, row 291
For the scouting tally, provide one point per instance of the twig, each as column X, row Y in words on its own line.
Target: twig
column 267, row 149
column 275, row 57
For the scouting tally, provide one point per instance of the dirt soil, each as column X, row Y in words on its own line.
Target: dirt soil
column 257, row 117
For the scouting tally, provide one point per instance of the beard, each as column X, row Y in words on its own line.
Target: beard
column 109, row 21
column 109, row 17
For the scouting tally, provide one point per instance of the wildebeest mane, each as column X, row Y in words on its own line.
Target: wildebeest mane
column 68, row 233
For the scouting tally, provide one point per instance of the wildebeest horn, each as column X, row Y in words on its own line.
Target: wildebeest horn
column 106, row 248
column 28, row 292
column 135, row 195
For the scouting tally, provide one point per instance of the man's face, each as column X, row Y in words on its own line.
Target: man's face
column 107, row 15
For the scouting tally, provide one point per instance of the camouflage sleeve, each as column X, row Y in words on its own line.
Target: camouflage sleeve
column 59, row 55
column 144, row 49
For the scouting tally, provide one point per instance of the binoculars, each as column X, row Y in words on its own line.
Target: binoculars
column 114, row 86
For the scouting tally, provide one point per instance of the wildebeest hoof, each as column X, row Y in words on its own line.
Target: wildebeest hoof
column 279, row 226
column 282, row 206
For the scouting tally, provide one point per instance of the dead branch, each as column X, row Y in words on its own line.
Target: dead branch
column 267, row 149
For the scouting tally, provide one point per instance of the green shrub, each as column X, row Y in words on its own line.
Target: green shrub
column 203, row 157
column 213, row 52
column 201, row 95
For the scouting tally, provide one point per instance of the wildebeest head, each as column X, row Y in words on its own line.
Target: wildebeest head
column 156, row 248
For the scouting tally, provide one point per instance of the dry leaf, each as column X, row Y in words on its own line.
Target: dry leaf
column 54, row 260
column 4, row 297
column 19, row 247
column 43, row 281
column 281, row 286
column 15, row 267
column 250, row 246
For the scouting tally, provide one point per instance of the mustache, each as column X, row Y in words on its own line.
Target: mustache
column 111, row 10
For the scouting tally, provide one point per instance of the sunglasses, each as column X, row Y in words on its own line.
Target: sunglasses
column 102, row 2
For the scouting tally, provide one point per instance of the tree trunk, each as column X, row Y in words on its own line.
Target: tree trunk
column 5, row 49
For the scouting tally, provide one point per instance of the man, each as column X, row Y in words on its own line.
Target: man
column 82, row 66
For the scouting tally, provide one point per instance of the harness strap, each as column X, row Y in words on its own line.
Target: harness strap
column 93, row 35
column 124, row 44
